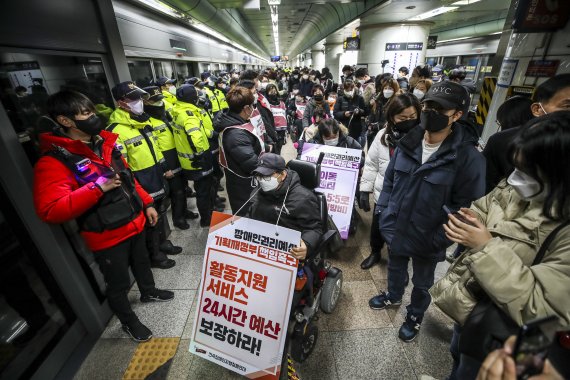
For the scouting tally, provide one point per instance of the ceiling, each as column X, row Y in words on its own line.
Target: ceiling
column 304, row 23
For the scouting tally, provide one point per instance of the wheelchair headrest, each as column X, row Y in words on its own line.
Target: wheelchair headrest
column 309, row 172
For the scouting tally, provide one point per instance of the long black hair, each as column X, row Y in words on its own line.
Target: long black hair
column 397, row 105
column 542, row 150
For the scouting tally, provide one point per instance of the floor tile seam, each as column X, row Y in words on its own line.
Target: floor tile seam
column 402, row 345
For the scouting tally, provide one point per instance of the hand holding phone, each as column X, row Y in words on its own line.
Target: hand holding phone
column 532, row 344
column 457, row 215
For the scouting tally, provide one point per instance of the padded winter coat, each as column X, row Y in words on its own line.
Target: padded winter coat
column 375, row 166
column 413, row 194
column 502, row 267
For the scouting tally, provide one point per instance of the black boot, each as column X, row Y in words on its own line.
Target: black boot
column 181, row 224
column 158, row 258
column 191, row 214
column 372, row 259
column 169, row 248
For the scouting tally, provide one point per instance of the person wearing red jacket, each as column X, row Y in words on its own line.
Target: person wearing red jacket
column 82, row 175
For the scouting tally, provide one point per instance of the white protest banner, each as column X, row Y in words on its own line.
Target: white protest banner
column 339, row 175
column 245, row 296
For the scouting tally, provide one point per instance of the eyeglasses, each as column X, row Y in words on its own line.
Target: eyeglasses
column 499, row 124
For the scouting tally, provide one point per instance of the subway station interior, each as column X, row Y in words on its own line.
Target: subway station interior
column 55, row 319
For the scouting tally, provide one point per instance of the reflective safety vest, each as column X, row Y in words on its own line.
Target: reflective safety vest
column 191, row 141
column 300, row 109
column 140, row 148
column 164, row 136
column 248, row 127
column 221, row 99
column 256, row 120
column 279, row 115
column 169, row 98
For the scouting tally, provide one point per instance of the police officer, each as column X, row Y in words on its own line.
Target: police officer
column 168, row 89
column 82, row 176
column 213, row 93
column 220, row 92
column 193, row 148
column 139, row 146
column 162, row 129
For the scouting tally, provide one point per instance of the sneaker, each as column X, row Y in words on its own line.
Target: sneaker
column 410, row 328
column 158, row 295
column 382, row 301
column 137, row 331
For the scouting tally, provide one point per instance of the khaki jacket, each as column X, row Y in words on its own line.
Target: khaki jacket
column 502, row 267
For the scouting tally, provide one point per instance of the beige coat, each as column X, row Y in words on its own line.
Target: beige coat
column 502, row 267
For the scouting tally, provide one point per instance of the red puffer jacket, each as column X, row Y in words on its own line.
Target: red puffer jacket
column 58, row 197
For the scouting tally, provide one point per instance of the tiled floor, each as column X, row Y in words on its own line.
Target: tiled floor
column 354, row 342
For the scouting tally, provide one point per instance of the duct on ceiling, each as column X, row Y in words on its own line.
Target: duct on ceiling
column 475, row 30
column 227, row 22
column 325, row 20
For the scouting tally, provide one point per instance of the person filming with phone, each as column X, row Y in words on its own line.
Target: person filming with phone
column 516, row 265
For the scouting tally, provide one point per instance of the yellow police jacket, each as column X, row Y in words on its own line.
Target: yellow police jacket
column 221, row 97
column 213, row 99
column 191, row 139
column 140, row 148
column 163, row 132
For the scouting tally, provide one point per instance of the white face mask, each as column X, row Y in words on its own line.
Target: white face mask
column 160, row 103
column 349, row 94
column 331, row 142
column 172, row 90
column 526, row 187
column 361, row 81
column 388, row 93
column 136, row 107
column 305, row 77
column 268, row 183
column 418, row 94
column 332, row 100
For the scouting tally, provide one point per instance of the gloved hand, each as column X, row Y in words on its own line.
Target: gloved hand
column 199, row 160
column 364, row 201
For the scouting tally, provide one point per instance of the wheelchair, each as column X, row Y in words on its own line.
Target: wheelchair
column 324, row 283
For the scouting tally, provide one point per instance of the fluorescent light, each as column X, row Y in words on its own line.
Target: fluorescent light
column 454, row 39
column 465, row 2
column 274, row 2
column 432, row 13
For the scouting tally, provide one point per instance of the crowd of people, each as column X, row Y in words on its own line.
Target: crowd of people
column 432, row 182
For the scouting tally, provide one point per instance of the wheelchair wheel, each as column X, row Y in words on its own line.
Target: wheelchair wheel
column 331, row 292
column 304, row 342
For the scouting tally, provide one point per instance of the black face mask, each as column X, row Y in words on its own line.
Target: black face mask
column 433, row 121
column 93, row 125
column 141, row 118
column 405, row 126
column 319, row 98
column 272, row 96
column 155, row 111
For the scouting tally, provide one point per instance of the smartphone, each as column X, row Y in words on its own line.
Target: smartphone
column 531, row 348
column 457, row 215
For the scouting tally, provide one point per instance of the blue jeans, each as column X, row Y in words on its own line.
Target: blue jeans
column 422, row 279
column 464, row 367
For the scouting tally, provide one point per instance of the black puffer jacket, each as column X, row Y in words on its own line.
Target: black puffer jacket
column 353, row 123
column 301, row 211
column 242, row 150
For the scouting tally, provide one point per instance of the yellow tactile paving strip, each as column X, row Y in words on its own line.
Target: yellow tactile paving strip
column 149, row 356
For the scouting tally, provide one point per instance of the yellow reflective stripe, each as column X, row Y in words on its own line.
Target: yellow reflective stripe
column 155, row 194
column 193, row 129
column 174, row 171
column 159, row 128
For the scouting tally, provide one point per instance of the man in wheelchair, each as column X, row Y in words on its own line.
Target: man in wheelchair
column 286, row 198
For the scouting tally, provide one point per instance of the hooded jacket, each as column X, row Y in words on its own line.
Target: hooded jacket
column 241, row 149
column 301, row 211
column 503, row 268
column 413, row 194
column 59, row 198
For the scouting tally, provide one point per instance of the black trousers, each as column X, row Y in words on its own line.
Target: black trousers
column 376, row 240
column 177, row 196
column 205, row 197
column 114, row 263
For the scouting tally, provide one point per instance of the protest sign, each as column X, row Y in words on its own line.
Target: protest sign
column 339, row 175
column 245, row 296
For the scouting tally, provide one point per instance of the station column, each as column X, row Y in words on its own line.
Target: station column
column 401, row 44
column 318, row 55
column 333, row 51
